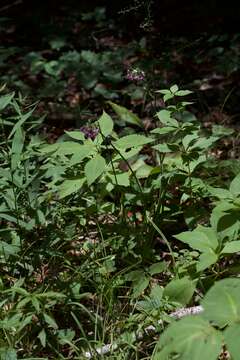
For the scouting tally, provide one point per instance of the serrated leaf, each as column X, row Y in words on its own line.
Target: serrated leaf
column 70, row 186
column 134, row 140
column 222, row 302
column 179, row 290
column 105, row 124
column 126, row 115
column 94, row 168
column 191, row 338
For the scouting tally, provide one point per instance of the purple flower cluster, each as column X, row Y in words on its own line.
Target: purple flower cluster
column 135, row 75
column 89, row 132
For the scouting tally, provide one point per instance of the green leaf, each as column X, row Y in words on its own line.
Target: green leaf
column 139, row 286
column 231, row 247
column 121, row 179
column 222, row 302
column 166, row 119
column 68, row 148
column 206, row 259
column 70, row 186
column 219, row 192
column 202, row 238
column 94, row 168
column 105, row 124
column 8, row 354
column 231, row 336
column 174, row 89
column 183, row 92
column 191, row 338
column 50, row 321
column 21, row 121
column 17, row 147
column 164, row 130
column 77, row 135
column 5, row 100
column 86, row 150
column 179, row 290
column 235, row 186
column 42, row 337
column 134, row 140
column 126, row 115
column 157, row 268
column 163, row 148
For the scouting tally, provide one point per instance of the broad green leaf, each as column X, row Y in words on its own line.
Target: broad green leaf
column 70, row 186
column 205, row 260
column 143, row 171
column 235, row 186
column 174, row 88
column 163, row 148
column 191, row 338
column 105, row 124
column 202, row 238
column 166, row 119
column 164, row 130
column 5, row 100
column 134, row 140
column 231, row 247
column 125, row 115
column 77, row 135
column 219, row 192
column 222, row 302
column 94, row 168
column 157, row 268
column 121, row 179
column 86, row 150
column 231, row 336
column 68, row 148
column 179, row 290
column 139, row 286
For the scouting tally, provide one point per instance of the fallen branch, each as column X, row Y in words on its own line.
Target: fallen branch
column 178, row 314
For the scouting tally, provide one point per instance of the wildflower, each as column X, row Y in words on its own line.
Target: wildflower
column 135, row 75
column 89, row 132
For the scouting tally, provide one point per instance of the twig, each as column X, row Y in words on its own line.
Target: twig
column 178, row 314
column 6, row 7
